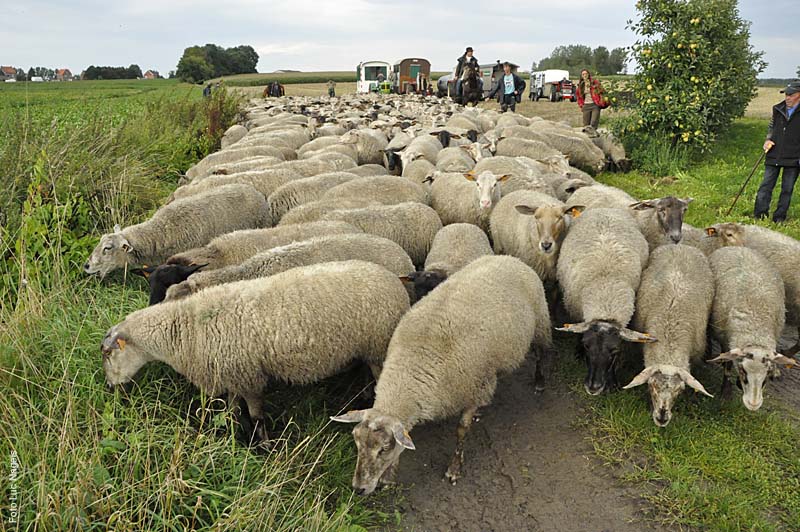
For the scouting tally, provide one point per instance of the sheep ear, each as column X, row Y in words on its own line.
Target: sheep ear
column 504, row 177
column 642, row 205
column 195, row 267
column 406, row 279
column 455, row 136
column 577, row 328
column 525, row 209
column 470, row 175
column 402, row 437
column 786, row 361
column 641, row 378
column 126, row 246
column 434, row 134
column 731, row 355
column 117, row 228
column 711, row 231
column 630, row 335
column 428, row 179
column 574, row 210
column 693, row 383
column 353, row 416
column 687, row 200
column 121, row 342
column 144, row 271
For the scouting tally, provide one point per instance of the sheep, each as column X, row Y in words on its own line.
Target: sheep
column 330, row 248
column 366, row 170
column 517, row 147
column 712, row 238
column 235, row 338
column 314, row 210
column 305, row 190
column 444, row 359
column 322, row 143
column 454, row 159
column 369, row 144
column 531, row 226
column 181, row 225
column 421, row 147
column 265, row 181
column 293, row 136
column 418, row 171
column 412, row 225
column 232, row 135
column 613, row 150
column 261, row 162
column 163, row 276
column 387, row 190
column 747, row 321
column 454, row 246
column 601, row 196
column 599, row 269
column 659, row 218
column 783, row 252
column 462, row 121
column 231, row 155
column 577, row 146
column 673, row 303
column 522, row 172
column 471, row 200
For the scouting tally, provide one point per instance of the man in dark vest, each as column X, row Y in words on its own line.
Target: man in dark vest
column 783, row 152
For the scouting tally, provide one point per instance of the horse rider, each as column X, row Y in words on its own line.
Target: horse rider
column 461, row 71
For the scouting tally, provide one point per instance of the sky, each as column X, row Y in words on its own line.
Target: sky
column 335, row 35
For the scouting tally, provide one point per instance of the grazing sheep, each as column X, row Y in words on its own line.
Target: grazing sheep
column 444, row 359
column 661, row 218
column 578, row 147
column 517, row 147
column 421, row 147
column 265, row 181
column 454, row 246
column 231, row 155
column 314, row 210
column 367, row 170
column 412, row 225
column 418, row 171
column 462, row 121
column 613, row 150
column 387, row 190
column 531, row 226
column 369, row 144
column 454, row 159
column 712, row 238
column 181, row 225
column 305, row 190
column 522, row 171
column 232, row 135
column 163, row 276
column 599, row 269
column 601, row 196
column 673, row 303
column 236, row 247
column 470, row 200
column 251, row 164
column 356, row 246
column 236, row 337
column 747, row 317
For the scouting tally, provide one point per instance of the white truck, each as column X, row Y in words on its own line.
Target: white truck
column 553, row 84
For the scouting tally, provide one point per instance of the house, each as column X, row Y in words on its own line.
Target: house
column 7, row 72
column 63, row 74
column 152, row 74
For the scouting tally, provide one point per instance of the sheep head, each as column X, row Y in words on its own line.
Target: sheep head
column 669, row 212
column 114, row 251
column 602, row 341
column 551, row 222
column 754, row 365
column 380, row 438
column 665, row 382
column 730, row 234
column 122, row 357
column 164, row 276
column 488, row 187
column 422, row 282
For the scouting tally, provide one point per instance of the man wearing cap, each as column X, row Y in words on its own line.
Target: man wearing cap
column 783, row 152
column 463, row 61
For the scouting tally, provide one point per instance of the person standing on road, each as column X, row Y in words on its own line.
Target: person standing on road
column 461, row 67
column 783, row 152
column 331, row 88
column 508, row 89
column 590, row 98
column 207, row 91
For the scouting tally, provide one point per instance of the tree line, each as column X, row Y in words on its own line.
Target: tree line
column 200, row 63
column 576, row 57
column 108, row 72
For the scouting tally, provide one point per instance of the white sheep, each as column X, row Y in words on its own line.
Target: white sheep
column 519, row 147
column 444, row 359
column 421, row 147
column 673, row 303
column 181, row 225
column 599, row 270
column 369, row 144
column 454, row 159
column 419, row 171
column 265, row 181
column 602, row 197
column 747, row 317
column 466, row 198
column 387, row 190
column 232, row 135
column 231, row 155
column 236, row 338
column 330, row 248
column 661, row 220
column 299, row 191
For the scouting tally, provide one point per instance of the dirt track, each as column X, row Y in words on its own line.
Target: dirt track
column 527, row 468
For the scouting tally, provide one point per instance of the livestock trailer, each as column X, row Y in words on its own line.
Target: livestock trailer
column 370, row 74
column 411, row 75
column 552, row 84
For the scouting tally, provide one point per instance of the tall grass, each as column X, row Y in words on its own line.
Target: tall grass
column 163, row 456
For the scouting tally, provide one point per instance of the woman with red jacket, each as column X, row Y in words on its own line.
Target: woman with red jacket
column 591, row 105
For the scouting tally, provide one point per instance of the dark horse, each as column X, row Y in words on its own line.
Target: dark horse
column 471, row 87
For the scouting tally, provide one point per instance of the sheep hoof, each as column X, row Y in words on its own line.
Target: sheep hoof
column 452, row 476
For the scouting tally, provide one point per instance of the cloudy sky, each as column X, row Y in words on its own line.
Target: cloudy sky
column 336, row 35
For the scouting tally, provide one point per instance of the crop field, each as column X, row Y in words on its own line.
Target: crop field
column 76, row 158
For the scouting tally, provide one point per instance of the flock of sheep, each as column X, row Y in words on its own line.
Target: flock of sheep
column 434, row 243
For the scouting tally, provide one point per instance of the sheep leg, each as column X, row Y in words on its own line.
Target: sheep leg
column 453, row 472
column 544, row 358
column 375, row 368
column 727, row 388
column 256, row 410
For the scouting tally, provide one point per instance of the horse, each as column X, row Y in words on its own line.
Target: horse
column 471, row 87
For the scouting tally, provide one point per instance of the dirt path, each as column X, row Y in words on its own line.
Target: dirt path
column 526, row 469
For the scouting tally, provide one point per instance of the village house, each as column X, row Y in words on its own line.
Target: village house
column 152, row 74
column 63, row 74
column 7, row 72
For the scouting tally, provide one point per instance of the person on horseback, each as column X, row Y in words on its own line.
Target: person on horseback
column 461, row 67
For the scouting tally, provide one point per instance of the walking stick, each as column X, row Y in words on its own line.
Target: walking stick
column 753, row 171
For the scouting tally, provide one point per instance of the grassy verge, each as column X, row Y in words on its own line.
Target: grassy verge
column 717, row 466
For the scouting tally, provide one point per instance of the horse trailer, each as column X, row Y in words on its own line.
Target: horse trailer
column 411, row 75
column 370, row 74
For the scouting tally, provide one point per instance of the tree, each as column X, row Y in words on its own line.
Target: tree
column 194, row 68
column 31, row 73
column 697, row 70
column 576, row 57
column 134, row 72
column 197, row 61
column 798, row 72
column 20, row 76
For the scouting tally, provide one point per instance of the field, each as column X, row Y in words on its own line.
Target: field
column 79, row 157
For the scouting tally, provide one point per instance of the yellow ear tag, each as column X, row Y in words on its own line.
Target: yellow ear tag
column 575, row 213
column 121, row 343
column 710, row 231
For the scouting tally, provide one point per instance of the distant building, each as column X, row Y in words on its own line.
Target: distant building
column 152, row 74
column 7, row 72
column 37, row 78
column 63, row 74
